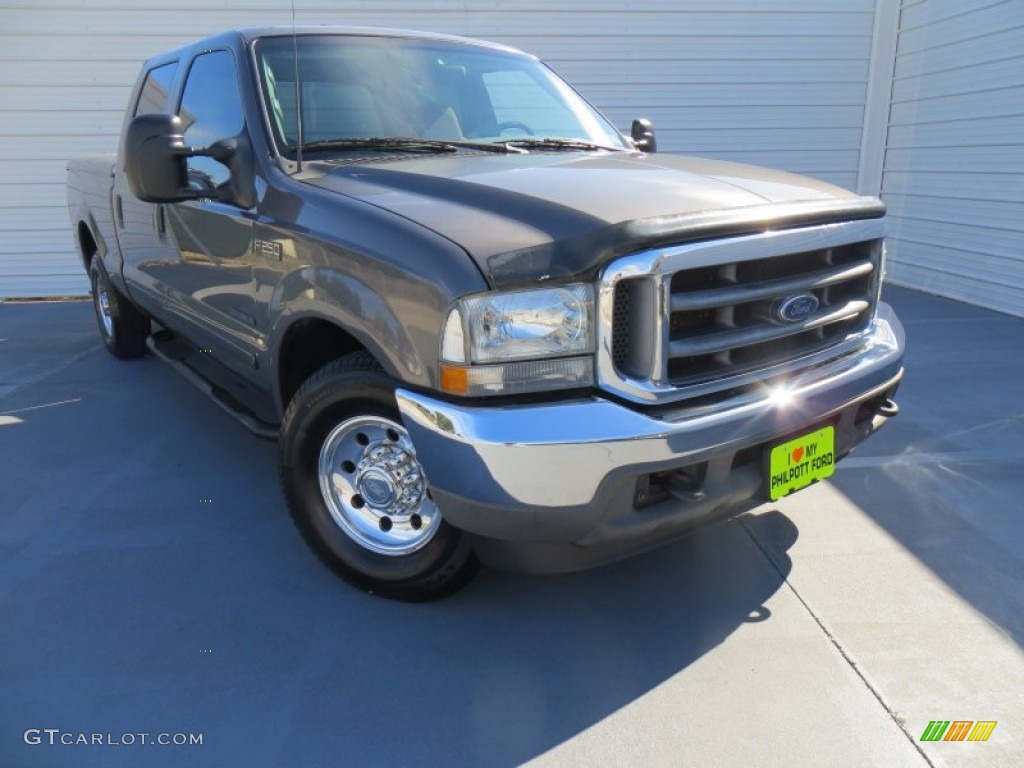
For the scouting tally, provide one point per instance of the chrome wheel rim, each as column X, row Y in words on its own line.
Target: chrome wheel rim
column 375, row 488
column 102, row 302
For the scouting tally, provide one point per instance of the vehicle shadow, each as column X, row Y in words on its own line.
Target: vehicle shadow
column 155, row 583
column 516, row 664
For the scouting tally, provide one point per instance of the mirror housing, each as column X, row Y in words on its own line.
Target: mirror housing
column 155, row 163
column 642, row 134
column 154, row 159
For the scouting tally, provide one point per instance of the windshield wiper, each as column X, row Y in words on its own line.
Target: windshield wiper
column 378, row 142
column 400, row 143
column 485, row 146
column 550, row 143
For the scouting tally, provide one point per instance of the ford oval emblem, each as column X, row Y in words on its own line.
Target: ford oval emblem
column 376, row 488
column 795, row 309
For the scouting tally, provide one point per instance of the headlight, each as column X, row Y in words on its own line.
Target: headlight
column 533, row 325
column 523, row 325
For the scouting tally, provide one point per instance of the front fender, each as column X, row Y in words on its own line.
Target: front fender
column 352, row 305
column 386, row 281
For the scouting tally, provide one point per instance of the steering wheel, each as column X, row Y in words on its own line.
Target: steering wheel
column 514, row 125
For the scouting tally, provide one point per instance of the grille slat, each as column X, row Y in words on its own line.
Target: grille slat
column 738, row 294
column 711, row 343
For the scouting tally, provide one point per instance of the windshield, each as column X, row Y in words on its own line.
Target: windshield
column 355, row 87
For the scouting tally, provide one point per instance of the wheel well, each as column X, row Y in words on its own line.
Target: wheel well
column 307, row 347
column 86, row 244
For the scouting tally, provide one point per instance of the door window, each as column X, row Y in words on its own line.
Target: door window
column 211, row 110
column 153, row 97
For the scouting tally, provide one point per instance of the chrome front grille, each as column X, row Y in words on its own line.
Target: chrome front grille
column 693, row 319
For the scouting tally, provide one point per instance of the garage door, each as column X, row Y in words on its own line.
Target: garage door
column 954, row 162
column 774, row 82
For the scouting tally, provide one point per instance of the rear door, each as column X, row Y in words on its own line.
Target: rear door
column 137, row 223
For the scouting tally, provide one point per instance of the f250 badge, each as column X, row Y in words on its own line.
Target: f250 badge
column 794, row 309
column 268, row 249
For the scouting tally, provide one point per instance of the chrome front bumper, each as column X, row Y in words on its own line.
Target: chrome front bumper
column 560, row 478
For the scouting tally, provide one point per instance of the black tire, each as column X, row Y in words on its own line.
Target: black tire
column 350, row 391
column 123, row 328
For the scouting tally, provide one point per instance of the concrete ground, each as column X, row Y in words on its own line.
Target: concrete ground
column 151, row 582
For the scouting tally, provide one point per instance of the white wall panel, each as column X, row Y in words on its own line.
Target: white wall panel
column 774, row 82
column 953, row 173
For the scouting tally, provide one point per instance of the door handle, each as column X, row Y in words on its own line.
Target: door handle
column 161, row 221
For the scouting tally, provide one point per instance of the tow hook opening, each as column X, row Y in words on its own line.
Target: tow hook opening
column 685, row 483
column 883, row 405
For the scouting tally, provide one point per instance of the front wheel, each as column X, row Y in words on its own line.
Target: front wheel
column 357, row 491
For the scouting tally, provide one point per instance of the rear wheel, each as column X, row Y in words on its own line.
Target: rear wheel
column 357, row 491
column 123, row 328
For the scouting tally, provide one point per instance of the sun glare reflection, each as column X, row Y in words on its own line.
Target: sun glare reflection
column 781, row 397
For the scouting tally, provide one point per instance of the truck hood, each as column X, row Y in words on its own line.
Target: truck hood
column 550, row 215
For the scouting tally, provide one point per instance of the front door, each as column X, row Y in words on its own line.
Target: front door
column 210, row 283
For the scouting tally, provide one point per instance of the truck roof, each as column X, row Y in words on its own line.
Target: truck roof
column 247, row 34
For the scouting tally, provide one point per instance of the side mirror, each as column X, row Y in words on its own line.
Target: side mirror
column 154, row 159
column 155, row 163
column 642, row 134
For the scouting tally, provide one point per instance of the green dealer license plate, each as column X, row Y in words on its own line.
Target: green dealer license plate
column 797, row 463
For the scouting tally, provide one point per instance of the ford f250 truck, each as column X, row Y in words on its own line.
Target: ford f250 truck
column 483, row 325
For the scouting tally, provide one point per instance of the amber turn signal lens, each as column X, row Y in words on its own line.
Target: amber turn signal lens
column 454, row 380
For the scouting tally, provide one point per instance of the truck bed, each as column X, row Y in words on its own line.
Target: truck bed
column 88, row 188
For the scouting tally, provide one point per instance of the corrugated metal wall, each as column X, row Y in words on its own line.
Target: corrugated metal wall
column 954, row 161
column 774, row 82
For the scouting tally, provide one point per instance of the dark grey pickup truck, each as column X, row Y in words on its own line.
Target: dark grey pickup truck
column 482, row 324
